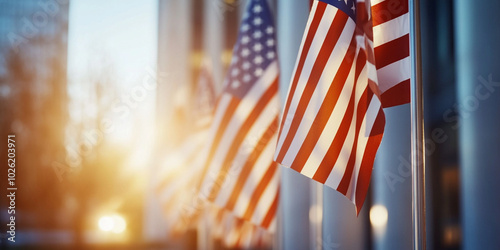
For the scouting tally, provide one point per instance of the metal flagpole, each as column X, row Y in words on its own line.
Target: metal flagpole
column 316, row 215
column 417, row 130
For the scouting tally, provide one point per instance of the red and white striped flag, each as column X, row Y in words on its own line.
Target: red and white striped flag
column 173, row 187
column 391, row 40
column 333, row 120
column 234, row 232
column 240, row 174
column 244, row 235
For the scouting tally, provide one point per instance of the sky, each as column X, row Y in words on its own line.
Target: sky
column 115, row 41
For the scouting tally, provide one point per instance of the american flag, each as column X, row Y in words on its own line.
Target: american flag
column 240, row 174
column 173, row 187
column 234, row 232
column 333, row 121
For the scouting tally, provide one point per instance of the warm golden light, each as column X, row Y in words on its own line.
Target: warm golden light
column 114, row 223
column 106, row 223
column 119, row 224
column 378, row 216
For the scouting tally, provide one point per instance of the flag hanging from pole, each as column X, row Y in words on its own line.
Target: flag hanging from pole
column 173, row 186
column 240, row 174
column 350, row 65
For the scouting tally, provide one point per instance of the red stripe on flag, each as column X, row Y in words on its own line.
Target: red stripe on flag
column 249, row 164
column 271, row 213
column 331, row 39
column 361, row 113
column 397, row 95
column 242, row 133
column 331, row 156
column 365, row 171
column 228, row 114
column 325, row 111
column 392, row 51
column 388, row 10
column 259, row 190
column 320, row 9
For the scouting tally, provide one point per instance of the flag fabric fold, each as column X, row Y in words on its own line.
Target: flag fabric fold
column 351, row 64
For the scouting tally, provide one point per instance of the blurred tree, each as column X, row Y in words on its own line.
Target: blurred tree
column 35, row 110
column 99, row 184
column 35, row 106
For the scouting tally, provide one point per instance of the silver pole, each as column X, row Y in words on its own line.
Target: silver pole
column 417, row 131
column 316, row 224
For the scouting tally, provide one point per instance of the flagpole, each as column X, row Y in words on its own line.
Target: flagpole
column 417, row 131
column 316, row 223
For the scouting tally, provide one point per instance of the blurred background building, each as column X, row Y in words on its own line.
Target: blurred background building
column 33, row 92
column 86, row 185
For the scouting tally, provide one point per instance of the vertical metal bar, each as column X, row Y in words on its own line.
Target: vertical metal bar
column 291, row 20
column 319, row 215
column 417, row 131
column 316, row 215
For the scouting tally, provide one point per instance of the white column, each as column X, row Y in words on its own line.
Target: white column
column 174, row 36
column 214, row 39
column 294, row 228
column 477, row 38
column 391, row 183
column 174, row 61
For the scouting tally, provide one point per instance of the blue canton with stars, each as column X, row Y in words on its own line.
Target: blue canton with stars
column 346, row 6
column 254, row 51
